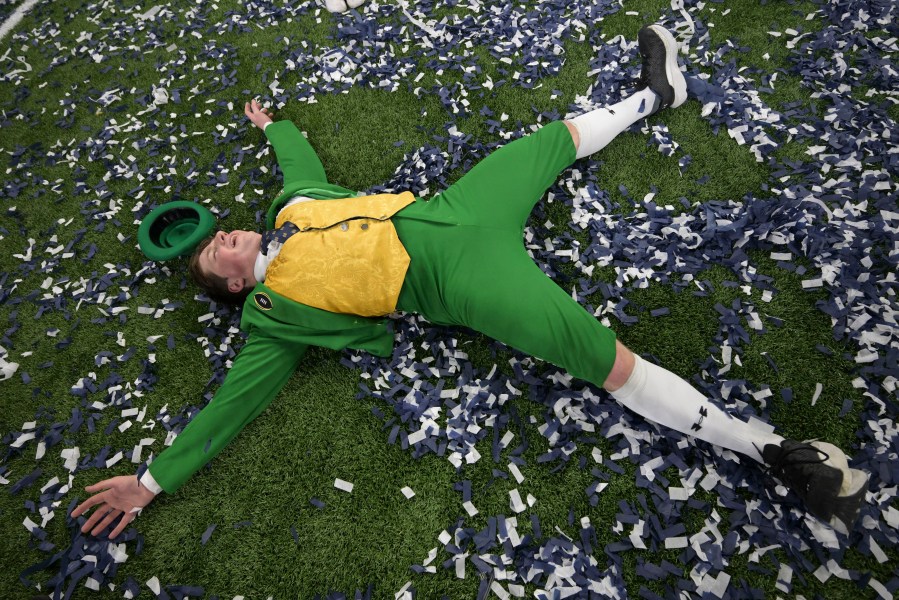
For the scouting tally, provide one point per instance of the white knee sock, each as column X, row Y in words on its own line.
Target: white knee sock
column 662, row 397
column 599, row 127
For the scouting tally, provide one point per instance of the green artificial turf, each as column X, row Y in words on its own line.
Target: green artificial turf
column 316, row 430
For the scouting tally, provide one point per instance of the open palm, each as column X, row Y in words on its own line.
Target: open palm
column 114, row 498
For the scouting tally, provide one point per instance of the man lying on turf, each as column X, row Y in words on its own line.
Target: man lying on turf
column 332, row 263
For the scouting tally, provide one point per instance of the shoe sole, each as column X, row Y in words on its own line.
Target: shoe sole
column 852, row 490
column 844, row 519
column 675, row 77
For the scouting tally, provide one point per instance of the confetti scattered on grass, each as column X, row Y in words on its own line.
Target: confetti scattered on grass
column 832, row 221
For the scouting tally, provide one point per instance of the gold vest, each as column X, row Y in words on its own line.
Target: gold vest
column 346, row 258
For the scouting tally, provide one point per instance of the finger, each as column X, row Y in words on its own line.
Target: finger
column 99, row 486
column 255, row 105
column 247, row 111
column 109, row 518
column 87, row 504
column 95, row 516
column 126, row 519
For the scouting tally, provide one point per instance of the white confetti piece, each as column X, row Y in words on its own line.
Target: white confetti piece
column 346, row 486
column 822, row 574
column 673, row 543
column 500, row 592
column 812, row 283
column 20, row 441
column 784, row 577
column 117, row 551
column 513, row 468
column 29, row 524
column 402, row 593
column 407, row 492
column 153, row 584
column 818, row 389
column 114, row 459
column 417, row 436
column 824, row 534
column 678, row 493
column 515, row 502
column 50, row 484
column 71, row 456
column 469, row 508
column 877, row 551
column 880, row 589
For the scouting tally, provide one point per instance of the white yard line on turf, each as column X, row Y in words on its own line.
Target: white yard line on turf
column 15, row 17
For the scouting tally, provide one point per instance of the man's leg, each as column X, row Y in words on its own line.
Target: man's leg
column 662, row 397
column 503, row 188
column 496, row 288
column 817, row 472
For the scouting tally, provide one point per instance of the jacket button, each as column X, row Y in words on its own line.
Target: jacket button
column 344, row 226
column 364, row 226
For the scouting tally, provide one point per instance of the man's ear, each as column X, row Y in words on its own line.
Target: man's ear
column 235, row 284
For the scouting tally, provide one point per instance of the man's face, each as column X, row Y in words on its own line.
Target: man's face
column 232, row 256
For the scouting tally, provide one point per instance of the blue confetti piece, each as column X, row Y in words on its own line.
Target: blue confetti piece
column 824, row 350
column 25, row 482
column 846, row 408
column 728, row 102
column 207, row 534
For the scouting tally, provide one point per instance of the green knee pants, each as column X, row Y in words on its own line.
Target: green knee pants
column 478, row 274
column 469, row 265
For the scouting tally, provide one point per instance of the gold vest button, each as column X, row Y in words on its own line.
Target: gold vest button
column 344, row 226
column 364, row 226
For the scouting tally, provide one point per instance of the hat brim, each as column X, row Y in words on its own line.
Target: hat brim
column 174, row 229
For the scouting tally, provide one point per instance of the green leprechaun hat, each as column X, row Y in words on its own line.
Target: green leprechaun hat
column 174, row 229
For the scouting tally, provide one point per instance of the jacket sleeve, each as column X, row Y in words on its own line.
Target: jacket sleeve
column 297, row 159
column 261, row 369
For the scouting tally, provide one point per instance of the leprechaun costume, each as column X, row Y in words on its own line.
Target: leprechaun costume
column 457, row 259
column 340, row 263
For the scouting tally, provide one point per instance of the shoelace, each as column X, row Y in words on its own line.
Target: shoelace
column 642, row 82
column 780, row 463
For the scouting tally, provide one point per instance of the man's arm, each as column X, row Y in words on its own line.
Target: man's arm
column 297, row 159
column 259, row 372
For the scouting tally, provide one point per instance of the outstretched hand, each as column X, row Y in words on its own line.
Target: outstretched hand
column 118, row 497
column 257, row 115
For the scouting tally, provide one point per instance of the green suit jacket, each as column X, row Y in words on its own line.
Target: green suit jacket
column 279, row 332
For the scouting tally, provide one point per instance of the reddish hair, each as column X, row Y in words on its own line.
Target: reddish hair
column 215, row 287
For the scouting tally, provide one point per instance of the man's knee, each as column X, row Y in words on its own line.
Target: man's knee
column 575, row 134
column 622, row 369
